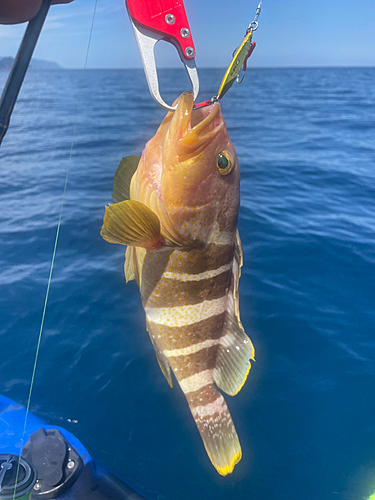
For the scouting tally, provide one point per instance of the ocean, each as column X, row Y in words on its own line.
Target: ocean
column 305, row 139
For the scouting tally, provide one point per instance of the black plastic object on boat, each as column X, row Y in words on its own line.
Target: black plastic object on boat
column 57, row 463
column 17, row 477
column 93, row 482
column 20, row 65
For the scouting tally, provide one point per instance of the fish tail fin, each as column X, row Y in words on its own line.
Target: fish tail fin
column 216, row 428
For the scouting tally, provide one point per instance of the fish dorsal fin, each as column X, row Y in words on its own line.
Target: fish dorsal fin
column 132, row 223
column 235, row 349
column 162, row 360
column 123, row 177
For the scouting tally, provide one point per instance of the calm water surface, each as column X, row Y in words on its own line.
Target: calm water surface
column 306, row 143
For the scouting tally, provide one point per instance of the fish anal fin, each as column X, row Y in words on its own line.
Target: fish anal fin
column 216, row 428
column 235, row 349
column 123, row 177
column 234, row 353
column 132, row 223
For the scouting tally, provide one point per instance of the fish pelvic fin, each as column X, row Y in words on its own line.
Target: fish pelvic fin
column 215, row 424
column 123, row 177
column 132, row 223
column 162, row 359
column 235, row 349
column 130, row 267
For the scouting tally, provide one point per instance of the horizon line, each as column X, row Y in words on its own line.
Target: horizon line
column 140, row 68
column 223, row 67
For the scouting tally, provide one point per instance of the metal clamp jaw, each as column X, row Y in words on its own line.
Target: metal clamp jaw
column 151, row 23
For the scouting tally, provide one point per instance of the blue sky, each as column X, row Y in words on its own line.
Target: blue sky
column 291, row 33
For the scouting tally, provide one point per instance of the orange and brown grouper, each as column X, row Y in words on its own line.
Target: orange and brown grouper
column 176, row 209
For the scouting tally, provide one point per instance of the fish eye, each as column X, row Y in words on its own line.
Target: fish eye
column 225, row 162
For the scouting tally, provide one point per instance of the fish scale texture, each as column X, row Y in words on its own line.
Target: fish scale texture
column 185, row 253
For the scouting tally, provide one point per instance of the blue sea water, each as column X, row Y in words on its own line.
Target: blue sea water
column 305, row 417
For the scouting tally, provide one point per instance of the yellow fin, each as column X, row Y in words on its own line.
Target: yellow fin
column 234, row 353
column 222, row 445
column 235, row 350
column 123, row 177
column 132, row 223
column 139, row 257
column 130, row 264
column 217, row 430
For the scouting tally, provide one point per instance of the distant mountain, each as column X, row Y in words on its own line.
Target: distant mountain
column 7, row 62
column 40, row 64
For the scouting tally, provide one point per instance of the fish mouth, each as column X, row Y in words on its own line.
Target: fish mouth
column 198, row 127
column 202, row 118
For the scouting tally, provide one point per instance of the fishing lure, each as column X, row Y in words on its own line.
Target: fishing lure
column 153, row 21
column 238, row 63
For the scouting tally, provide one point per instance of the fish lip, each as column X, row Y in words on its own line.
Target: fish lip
column 200, row 127
column 210, row 111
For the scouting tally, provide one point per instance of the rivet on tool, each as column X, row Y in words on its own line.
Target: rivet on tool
column 170, row 19
column 189, row 51
column 185, row 33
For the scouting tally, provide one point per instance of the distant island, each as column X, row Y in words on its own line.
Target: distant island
column 7, row 62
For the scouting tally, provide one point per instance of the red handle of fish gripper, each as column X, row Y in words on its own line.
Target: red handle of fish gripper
column 249, row 52
column 167, row 17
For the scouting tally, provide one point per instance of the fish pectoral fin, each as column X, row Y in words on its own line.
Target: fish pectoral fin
column 162, row 359
column 235, row 349
column 123, row 177
column 132, row 223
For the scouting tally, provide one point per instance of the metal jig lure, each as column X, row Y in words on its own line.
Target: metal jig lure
column 238, row 63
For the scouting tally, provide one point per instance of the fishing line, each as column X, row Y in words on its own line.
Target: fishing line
column 54, row 254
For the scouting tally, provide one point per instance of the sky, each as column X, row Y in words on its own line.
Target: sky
column 291, row 33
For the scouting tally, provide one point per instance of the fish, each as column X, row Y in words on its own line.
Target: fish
column 176, row 209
